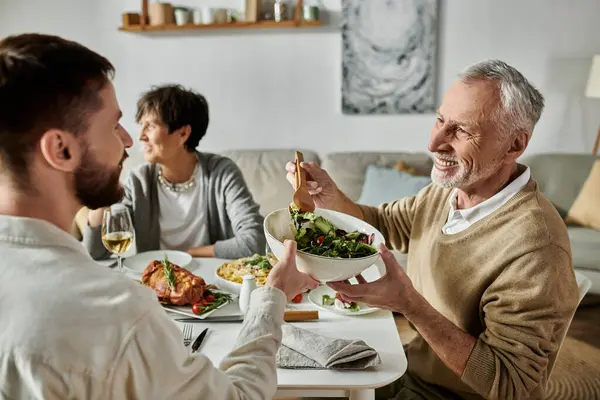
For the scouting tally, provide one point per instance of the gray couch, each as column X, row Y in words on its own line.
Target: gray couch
column 560, row 177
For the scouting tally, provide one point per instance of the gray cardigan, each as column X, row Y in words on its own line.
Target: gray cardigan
column 234, row 223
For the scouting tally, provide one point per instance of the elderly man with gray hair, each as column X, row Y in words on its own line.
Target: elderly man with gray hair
column 489, row 285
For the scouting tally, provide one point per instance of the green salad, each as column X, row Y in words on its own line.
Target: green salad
column 316, row 235
column 340, row 303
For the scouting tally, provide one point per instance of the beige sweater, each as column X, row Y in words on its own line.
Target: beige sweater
column 507, row 280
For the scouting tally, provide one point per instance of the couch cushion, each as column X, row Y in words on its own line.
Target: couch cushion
column 560, row 176
column 383, row 185
column 585, row 246
column 348, row 169
column 264, row 172
column 586, row 208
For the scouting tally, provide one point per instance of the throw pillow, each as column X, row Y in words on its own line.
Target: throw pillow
column 404, row 167
column 586, row 208
column 383, row 185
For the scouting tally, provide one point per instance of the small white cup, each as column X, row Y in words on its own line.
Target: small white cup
column 208, row 16
column 197, row 17
column 182, row 17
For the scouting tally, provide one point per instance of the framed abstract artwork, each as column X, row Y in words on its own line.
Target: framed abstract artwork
column 388, row 56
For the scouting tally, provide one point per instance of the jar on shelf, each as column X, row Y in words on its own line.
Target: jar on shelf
column 280, row 11
column 310, row 10
column 266, row 8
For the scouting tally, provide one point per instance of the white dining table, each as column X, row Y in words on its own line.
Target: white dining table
column 377, row 330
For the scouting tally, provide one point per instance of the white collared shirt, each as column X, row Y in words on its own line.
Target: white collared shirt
column 459, row 220
column 71, row 328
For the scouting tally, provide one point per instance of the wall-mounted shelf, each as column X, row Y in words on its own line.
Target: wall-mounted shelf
column 228, row 25
column 144, row 27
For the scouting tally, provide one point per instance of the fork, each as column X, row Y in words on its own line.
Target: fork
column 187, row 334
column 302, row 198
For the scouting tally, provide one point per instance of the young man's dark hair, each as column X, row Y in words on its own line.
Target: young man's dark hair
column 46, row 82
column 176, row 107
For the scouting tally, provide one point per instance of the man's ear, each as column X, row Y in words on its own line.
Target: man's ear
column 61, row 150
column 518, row 145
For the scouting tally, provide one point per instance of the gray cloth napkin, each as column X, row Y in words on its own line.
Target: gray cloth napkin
column 302, row 349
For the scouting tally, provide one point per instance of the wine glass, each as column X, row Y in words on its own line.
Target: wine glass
column 117, row 231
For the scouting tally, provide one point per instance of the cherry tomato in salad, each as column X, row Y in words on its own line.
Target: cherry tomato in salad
column 320, row 239
column 210, row 298
column 297, row 299
column 197, row 308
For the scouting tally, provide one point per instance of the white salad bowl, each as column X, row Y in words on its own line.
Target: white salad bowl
column 278, row 227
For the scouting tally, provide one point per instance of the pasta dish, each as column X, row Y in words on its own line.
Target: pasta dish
column 257, row 265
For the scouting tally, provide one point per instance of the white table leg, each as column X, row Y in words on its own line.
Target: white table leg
column 366, row 394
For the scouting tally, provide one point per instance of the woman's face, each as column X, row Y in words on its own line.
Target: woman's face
column 159, row 145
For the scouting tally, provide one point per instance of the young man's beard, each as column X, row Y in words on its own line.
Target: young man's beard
column 97, row 185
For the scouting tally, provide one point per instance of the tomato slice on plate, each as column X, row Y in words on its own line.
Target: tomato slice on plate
column 197, row 308
column 297, row 299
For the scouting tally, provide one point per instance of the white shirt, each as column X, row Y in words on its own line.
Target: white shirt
column 459, row 220
column 71, row 328
column 181, row 218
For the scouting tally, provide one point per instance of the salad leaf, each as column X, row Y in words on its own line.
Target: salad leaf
column 327, row 300
column 261, row 261
column 317, row 235
column 323, row 225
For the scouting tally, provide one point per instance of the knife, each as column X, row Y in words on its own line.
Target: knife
column 198, row 341
column 289, row 316
column 223, row 318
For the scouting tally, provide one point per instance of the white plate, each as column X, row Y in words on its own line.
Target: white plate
column 228, row 286
column 138, row 263
column 316, row 297
column 187, row 310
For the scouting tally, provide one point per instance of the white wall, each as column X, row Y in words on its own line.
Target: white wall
column 273, row 89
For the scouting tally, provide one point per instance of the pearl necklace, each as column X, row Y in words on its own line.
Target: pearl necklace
column 178, row 187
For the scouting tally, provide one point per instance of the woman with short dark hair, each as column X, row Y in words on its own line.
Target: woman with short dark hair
column 183, row 199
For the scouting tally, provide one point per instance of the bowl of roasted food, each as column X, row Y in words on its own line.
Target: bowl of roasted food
column 230, row 275
column 180, row 291
column 330, row 246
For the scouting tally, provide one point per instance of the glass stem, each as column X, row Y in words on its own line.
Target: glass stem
column 120, row 263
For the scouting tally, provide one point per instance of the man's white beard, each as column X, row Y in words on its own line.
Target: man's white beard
column 462, row 177
column 452, row 181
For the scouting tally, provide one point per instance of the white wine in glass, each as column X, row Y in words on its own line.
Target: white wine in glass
column 117, row 231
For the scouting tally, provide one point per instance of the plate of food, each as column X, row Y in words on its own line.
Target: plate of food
column 327, row 299
column 138, row 263
column 229, row 275
column 182, row 292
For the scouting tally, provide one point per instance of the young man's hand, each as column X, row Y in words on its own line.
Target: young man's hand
column 286, row 277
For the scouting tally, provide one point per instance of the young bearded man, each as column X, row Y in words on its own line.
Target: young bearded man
column 72, row 328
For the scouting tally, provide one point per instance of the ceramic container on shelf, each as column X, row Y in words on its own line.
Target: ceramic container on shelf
column 248, row 285
column 207, row 16
column 280, row 11
column 182, row 16
column 160, row 13
column 197, row 17
column 310, row 13
column 220, row 15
